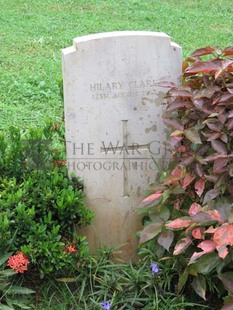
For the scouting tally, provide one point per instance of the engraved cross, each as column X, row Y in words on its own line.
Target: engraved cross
column 124, row 149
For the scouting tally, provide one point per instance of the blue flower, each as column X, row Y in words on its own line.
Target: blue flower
column 105, row 305
column 154, row 268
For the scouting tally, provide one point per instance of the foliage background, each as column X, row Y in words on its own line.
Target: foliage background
column 32, row 34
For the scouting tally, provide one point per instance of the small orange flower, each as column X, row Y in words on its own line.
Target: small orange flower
column 70, row 249
column 18, row 262
column 59, row 163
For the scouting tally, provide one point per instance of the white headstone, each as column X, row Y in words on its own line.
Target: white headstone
column 114, row 128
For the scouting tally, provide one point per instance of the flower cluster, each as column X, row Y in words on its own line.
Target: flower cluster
column 18, row 262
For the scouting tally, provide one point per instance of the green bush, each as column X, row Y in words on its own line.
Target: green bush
column 40, row 206
column 191, row 211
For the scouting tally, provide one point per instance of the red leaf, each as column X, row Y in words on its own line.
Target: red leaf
column 210, row 195
column 226, row 98
column 174, row 141
column 165, row 239
column 182, row 245
column 199, row 170
column 198, row 233
column 222, row 117
column 187, row 180
column 226, row 65
column 206, row 92
column 224, row 138
column 177, row 172
column 199, row 187
column 204, row 67
column 176, row 104
column 212, row 136
column 207, row 246
column 203, row 51
column 172, row 179
column 174, row 123
column 229, row 124
column 165, row 84
column 230, row 89
column 219, row 147
column 202, row 217
column 183, row 93
column 186, row 160
column 177, row 204
column 219, row 164
column 179, row 223
column 215, row 156
column 215, row 215
column 228, row 51
column 194, row 209
column 222, row 251
column 214, row 125
column 224, row 235
column 153, row 197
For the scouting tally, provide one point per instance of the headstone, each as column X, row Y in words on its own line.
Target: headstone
column 114, row 129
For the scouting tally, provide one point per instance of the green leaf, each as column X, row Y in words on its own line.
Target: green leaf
column 150, row 231
column 7, row 272
column 4, row 307
column 227, row 280
column 19, row 290
column 164, row 213
column 66, row 280
column 19, row 304
column 182, row 280
column 192, row 135
column 4, row 258
column 166, row 195
column 207, row 263
column 199, row 286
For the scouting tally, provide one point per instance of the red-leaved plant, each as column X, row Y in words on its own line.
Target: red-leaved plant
column 191, row 209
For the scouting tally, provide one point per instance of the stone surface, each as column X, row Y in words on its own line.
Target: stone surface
column 114, row 129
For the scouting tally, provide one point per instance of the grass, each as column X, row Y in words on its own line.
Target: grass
column 125, row 286
column 32, row 34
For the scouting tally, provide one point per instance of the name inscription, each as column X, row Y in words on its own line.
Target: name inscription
column 113, row 90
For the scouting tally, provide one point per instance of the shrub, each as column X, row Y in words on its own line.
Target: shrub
column 40, row 205
column 191, row 209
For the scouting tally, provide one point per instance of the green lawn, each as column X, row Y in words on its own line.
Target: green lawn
column 33, row 32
